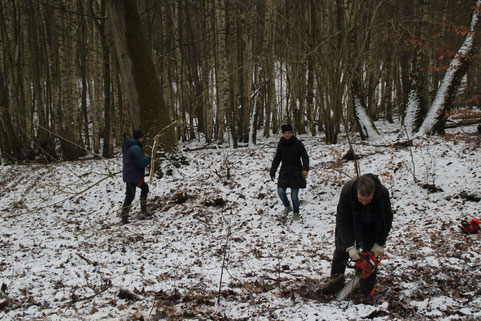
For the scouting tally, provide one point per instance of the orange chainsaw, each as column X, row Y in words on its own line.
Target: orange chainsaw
column 364, row 266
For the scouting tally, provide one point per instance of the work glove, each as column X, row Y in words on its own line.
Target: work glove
column 304, row 174
column 354, row 253
column 377, row 249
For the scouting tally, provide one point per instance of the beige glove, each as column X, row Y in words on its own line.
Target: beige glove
column 354, row 253
column 377, row 249
column 304, row 174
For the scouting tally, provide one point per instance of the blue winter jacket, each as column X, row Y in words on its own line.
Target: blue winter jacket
column 134, row 161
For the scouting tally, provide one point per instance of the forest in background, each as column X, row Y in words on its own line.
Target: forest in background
column 76, row 76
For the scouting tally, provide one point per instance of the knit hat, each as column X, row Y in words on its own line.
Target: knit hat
column 138, row 134
column 286, row 128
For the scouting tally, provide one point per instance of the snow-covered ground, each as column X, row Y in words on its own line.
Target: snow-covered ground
column 222, row 253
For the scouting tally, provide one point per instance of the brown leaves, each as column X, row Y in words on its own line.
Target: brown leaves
column 128, row 295
column 176, row 306
column 4, row 304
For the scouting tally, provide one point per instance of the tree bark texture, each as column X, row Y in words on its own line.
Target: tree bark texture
column 154, row 114
column 77, row 78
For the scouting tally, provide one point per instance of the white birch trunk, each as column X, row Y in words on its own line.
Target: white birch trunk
column 252, row 124
column 442, row 93
column 367, row 126
column 222, row 76
column 411, row 112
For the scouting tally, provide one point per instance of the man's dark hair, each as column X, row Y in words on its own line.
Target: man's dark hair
column 366, row 186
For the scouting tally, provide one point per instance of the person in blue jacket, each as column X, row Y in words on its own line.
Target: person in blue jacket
column 134, row 163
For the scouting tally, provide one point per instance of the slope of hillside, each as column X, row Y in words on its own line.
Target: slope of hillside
column 216, row 249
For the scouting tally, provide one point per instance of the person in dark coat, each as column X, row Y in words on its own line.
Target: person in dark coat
column 294, row 169
column 134, row 163
column 363, row 222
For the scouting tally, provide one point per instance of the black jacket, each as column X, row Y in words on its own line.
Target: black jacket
column 363, row 225
column 290, row 152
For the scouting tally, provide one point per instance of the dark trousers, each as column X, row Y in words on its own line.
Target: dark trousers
column 130, row 192
column 339, row 263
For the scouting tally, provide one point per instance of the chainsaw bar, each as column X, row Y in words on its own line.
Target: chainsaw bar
column 365, row 266
column 348, row 288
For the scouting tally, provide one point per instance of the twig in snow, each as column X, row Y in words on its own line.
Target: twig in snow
column 35, row 209
column 410, row 145
column 238, row 280
column 87, row 260
column 106, row 286
column 224, row 259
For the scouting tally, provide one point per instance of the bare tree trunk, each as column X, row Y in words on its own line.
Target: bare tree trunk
column 120, row 124
column 387, row 92
column 14, row 104
column 311, row 114
column 232, row 52
column 107, row 132
column 179, row 74
column 418, row 88
column 116, row 16
column 67, row 107
column 331, row 78
column 8, row 142
column 168, row 66
column 206, row 72
column 222, row 69
column 95, row 80
column 36, row 30
column 246, row 20
column 268, row 63
column 82, row 40
column 154, row 114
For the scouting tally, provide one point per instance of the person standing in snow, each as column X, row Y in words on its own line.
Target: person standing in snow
column 363, row 221
column 294, row 169
column 134, row 163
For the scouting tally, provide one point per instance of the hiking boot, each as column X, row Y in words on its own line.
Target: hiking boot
column 286, row 211
column 296, row 217
column 145, row 215
column 367, row 299
column 143, row 209
column 125, row 214
column 334, row 285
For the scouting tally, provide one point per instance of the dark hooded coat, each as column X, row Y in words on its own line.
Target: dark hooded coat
column 293, row 156
column 134, row 161
column 363, row 225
